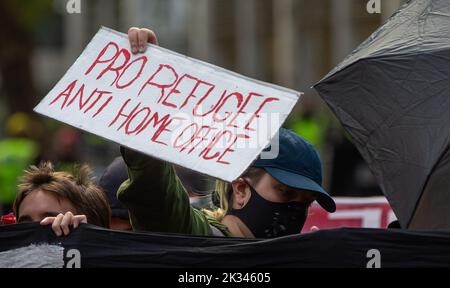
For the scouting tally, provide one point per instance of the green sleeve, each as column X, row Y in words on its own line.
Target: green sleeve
column 155, row 198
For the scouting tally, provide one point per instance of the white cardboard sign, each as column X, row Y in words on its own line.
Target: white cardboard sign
column 169, row 106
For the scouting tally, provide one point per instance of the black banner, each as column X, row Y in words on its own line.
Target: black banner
column 30, row 245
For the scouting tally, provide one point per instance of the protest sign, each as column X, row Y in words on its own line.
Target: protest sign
column 169, row 106
column 362, row 212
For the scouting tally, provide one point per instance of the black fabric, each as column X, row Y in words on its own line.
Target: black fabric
column 344, row 247
column 114, row 175
column 392, row 95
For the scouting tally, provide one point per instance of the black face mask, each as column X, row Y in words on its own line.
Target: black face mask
column 267, row 219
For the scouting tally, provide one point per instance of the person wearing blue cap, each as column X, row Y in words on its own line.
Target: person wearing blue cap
column 274, row 200
column 270, row 199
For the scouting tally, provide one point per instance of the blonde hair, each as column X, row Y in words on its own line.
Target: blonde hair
column 224, row 192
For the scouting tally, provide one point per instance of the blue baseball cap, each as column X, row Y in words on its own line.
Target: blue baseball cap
column 298, row 166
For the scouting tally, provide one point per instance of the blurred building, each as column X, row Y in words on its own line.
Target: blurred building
column 292, row 43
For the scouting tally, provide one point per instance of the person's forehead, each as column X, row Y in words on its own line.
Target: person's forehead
column 41, row 200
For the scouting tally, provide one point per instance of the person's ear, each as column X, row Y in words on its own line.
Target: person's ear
column 241, row 193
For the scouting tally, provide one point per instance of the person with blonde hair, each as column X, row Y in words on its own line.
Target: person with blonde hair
column 270, row 199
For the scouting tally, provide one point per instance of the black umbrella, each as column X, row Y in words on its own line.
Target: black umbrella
column 392, row 94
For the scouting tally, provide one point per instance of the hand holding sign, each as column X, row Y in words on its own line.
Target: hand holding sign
column 167, row 105
column 139, row 38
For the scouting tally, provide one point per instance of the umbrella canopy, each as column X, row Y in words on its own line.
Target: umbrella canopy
column 392, row 94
